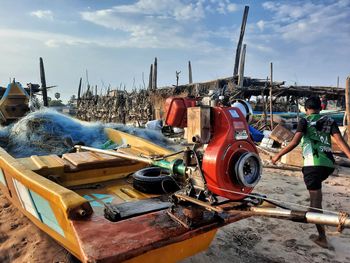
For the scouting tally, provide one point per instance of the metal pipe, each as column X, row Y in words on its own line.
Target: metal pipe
column 306, row 217
column 271, row 212
column 175, row 166
column 325, row 219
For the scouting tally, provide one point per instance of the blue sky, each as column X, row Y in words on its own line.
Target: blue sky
column 116, row 41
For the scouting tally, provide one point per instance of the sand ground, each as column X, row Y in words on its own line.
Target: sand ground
column 250, row 240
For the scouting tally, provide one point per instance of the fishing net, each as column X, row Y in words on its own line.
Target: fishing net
column 47, row 131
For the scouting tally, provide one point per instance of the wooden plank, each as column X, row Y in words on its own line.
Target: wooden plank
column 94, row 160
column 294, row 158
column 281, row 134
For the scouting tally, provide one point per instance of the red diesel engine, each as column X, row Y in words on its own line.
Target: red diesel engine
column 229, row 159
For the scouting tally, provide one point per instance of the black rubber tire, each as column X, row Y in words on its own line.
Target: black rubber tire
column 154, row 180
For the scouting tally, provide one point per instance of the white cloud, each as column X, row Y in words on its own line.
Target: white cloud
column 261, row 24
column 160, row 23
column 308, row 22
column 224, row 7
column 137, row 40
column 43, row 14
column 232, row 8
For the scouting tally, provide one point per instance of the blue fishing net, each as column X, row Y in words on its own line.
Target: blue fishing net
column 47, row 131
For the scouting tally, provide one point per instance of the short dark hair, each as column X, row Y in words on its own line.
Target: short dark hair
column 313, row 103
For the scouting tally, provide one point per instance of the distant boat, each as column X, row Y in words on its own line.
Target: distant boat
column 337, row 115
column 13, row 103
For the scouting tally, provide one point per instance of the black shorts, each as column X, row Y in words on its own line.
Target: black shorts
column 315, row 175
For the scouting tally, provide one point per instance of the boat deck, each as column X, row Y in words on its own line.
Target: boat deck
column 103, row 180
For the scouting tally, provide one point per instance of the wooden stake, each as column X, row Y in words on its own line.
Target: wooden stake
column 43, row 83
column 264, row 104
column 338, row 82
column 79, row 88
column 241, row 67
column 189, row 73
column 271, row 84
column 239, row 45
column 150, row 81
column 154, row 86
column 298, row 112
column 347, row 105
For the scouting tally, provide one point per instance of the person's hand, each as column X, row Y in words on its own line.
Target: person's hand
column 275, row 159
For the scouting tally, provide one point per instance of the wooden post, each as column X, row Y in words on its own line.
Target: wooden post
column 177, row 77
column 239, row 45
column 298, row 112
column 271, row 84
column 79, row 92
column 43, row 83
column 154, row 86
column 189, row 73
column 347, row 105
column 264, row 106
column 241, row 67
column 150, row 81
column 338, row 82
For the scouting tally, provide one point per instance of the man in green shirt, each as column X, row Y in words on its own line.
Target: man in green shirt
column 315, row 132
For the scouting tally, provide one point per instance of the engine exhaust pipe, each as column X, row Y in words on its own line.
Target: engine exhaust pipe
column 340, row 221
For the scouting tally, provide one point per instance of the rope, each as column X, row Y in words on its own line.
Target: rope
column 342, row 219
column 275, row 200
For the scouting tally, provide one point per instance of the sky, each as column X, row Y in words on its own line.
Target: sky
column 117, row 41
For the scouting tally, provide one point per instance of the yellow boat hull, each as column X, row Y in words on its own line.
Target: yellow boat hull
column 65, row 197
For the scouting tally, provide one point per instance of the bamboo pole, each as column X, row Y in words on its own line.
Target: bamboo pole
column 271, row 84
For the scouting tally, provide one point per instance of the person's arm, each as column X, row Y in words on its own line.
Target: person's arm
column 294, row 143
column 342, row 144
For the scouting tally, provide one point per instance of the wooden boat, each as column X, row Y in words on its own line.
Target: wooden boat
column 85, row 200
column 13, row 103
column 65, row 197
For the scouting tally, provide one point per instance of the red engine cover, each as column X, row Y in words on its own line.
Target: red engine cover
column 176, row 109
column 224, row 150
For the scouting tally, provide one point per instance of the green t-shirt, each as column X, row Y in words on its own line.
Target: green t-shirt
column 316, row 141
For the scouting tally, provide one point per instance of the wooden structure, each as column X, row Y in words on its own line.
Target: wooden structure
column 139, row 106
